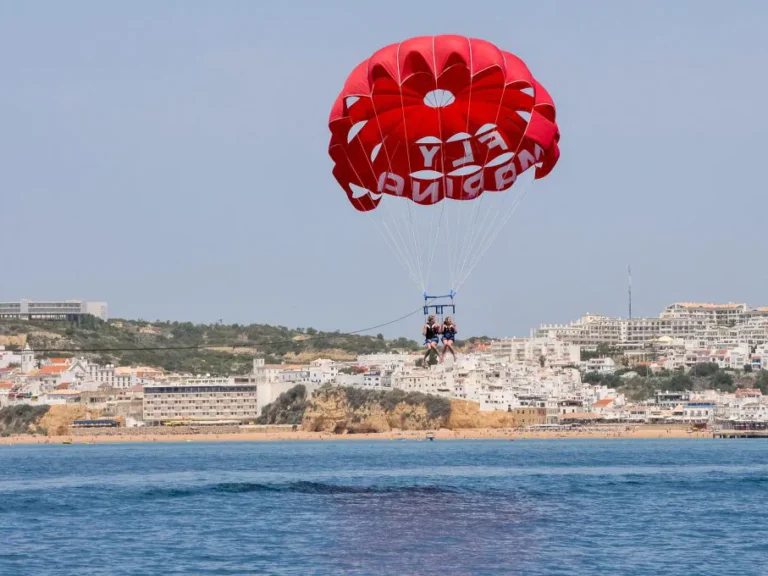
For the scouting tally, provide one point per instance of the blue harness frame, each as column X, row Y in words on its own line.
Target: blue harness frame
column 445, row 302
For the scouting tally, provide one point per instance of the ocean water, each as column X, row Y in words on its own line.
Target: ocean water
column 386, row 507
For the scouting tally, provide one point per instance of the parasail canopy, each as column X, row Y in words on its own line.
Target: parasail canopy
column 438, row 118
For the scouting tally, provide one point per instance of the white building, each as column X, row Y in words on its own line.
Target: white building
column 600, row 365
column 8, row 357
column 377, row 380
column 390, row 361
column 231, row 400
column 698, row 412
column 682, row 320
column 549, row 350
column 322, row 371
column 52, row 310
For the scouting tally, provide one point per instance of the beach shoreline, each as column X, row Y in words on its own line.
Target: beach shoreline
column 619, row 432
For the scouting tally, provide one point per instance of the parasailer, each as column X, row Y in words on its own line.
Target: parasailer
column 431, row 333
column 432, row 138
column 448, row 336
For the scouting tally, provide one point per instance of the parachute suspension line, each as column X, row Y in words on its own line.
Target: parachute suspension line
column 477, row 205
column 481, row 231
column 410, row 256
column 394, row 246
column 450, row 244
column 459, row 205
column 483, row 246
column 394, row 242
column 491, row 240
column 492, row 231
column 417, row 253
column 410, row 171
column 436, row 240
column 406, row 246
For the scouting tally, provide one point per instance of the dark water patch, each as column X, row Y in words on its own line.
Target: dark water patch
column 302, row 487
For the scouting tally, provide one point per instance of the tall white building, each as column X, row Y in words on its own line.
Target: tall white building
column 682, row 320
column 551, row 350
column 52, row 310
column 202, row 400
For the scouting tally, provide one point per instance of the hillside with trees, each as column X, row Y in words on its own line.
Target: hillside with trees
column 639, row 383
column 218, row 349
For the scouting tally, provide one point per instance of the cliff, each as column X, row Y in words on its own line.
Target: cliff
column 466, row 414
column 59, row 418
column 22, row 419
column 351, row 410
column 346, row 410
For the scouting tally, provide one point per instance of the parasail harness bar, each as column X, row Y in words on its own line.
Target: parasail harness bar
column 443, row 302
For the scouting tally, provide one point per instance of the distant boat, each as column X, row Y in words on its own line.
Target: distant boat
column 431, row 436
column 66, row 442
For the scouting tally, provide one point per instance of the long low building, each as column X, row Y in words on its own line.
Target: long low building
column 52, row 310
column 202, row 400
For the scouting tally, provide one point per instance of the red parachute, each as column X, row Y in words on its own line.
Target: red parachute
column 439, row 117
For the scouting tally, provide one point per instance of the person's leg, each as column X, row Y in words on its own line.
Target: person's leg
column 431, row 345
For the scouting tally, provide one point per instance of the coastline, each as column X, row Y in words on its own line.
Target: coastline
column 636, row 432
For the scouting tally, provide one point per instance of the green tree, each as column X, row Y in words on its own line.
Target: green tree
column 641, row 370
column 611, row 380
column 722, row 381
column 704, row 369
column 747, row 367
column 591, row 378
column 678, row 383
column 287, row 409
column 762, row 381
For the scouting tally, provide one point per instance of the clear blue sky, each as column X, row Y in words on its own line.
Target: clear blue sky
column 144, row 147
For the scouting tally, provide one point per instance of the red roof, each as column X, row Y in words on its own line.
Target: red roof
column 604, row 402
column 6, row 385
column 748, row 392
column 62, row 386
column 60, row 360
column 48, row 370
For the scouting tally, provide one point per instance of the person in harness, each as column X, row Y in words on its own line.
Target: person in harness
column 431, row 333
column 448, row 330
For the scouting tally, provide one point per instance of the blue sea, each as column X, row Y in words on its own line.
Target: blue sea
column 528, row 507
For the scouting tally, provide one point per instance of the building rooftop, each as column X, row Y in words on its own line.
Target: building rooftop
column 50, row 370
column 604, row 402
column 707, row 305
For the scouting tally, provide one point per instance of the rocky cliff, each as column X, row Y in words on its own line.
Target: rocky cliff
column 466, row 414
column 59, row 418
column 346, row 410
column 351, row 410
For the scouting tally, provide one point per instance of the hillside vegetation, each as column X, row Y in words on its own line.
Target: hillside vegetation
column 22, row 419
column 232, row 346
column 641, row 384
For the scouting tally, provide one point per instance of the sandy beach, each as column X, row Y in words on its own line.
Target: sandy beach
column 617, row 432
